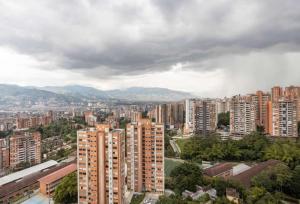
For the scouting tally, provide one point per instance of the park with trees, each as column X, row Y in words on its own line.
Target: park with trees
column 270, row 186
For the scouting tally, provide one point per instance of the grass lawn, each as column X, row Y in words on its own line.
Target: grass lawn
column 170, row 165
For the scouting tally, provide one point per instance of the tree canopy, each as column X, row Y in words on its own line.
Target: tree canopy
column 223, row 119
column 211, row 148
column 66, row 191
column 274, row 179
column 185, row 177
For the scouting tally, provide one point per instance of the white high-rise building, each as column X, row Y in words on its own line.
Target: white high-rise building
column 189, row 115
column 242, row 115
column 205, row 117
column 284, row 118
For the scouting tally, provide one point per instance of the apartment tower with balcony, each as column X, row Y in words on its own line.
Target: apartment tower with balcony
column 145, row 156
column 242, row 115
column 24, row 147
column 101, row 165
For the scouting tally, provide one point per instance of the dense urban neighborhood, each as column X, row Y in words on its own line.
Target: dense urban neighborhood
column 243, row 149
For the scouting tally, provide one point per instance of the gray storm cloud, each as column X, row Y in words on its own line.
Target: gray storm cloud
column 111, row 38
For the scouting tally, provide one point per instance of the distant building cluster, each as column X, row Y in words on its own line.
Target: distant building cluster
column 171, row 115
column 276, row 113
column 120, row 148
column 34, row 121
column 23, row 147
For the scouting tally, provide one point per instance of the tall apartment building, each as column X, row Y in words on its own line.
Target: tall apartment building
column 145, row 156
column 189, row 125
column 223, row 105
column 135, row 116
column 289, row 95
column 89, row 118
column 25, row 147
column 293, row 93
column 284, row 118
column 176, row 115
column 262, row 101
column 277, row 93
column 4, row 153
column 161, row 113
column 171, row 115
column 101, row 165
column 242, row 115
column 205, row 120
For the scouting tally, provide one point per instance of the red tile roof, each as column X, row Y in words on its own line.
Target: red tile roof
column 29, row 180
column 245, row 177
column 218, row 169
column 58, row 174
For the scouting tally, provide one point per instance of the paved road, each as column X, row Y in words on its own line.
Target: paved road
column 175, row 146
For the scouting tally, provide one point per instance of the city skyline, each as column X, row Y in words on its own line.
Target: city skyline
column 219, row 49
column 149, row 102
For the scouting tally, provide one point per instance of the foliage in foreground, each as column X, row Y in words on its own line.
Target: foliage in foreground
column 185, row 177
column 66, row 191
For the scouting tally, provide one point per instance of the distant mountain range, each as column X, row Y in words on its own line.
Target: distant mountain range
column 12, row 94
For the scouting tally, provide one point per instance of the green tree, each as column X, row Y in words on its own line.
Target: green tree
column 268, row 198
column 137, row 199
column 171, row 200
column 61, row 153
column 260, row 129
column 79, row 120
column 285, row 151
column 222, row 200
column 255, row 194
column 66, row 191
column 294, row 188
column 223, row 119
column 123, row 122
column 186, row 176
column 4, row 134
column 274, row 178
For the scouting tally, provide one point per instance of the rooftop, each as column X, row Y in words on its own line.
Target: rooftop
column 20, row 174
column 240, row 168
column 58, row 174
column 245, row 177
column 29, row 180
column 218, row 169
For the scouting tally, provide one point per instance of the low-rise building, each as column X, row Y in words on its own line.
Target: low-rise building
column 223, row 170
column 245, row 177
column 226, row 170
column 50, row 182
column 201, row 191
column 232, row 195
column 20, row 184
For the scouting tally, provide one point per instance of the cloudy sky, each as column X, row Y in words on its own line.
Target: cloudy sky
column 213, row 48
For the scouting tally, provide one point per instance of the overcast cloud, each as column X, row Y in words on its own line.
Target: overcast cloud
column 213, row 48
